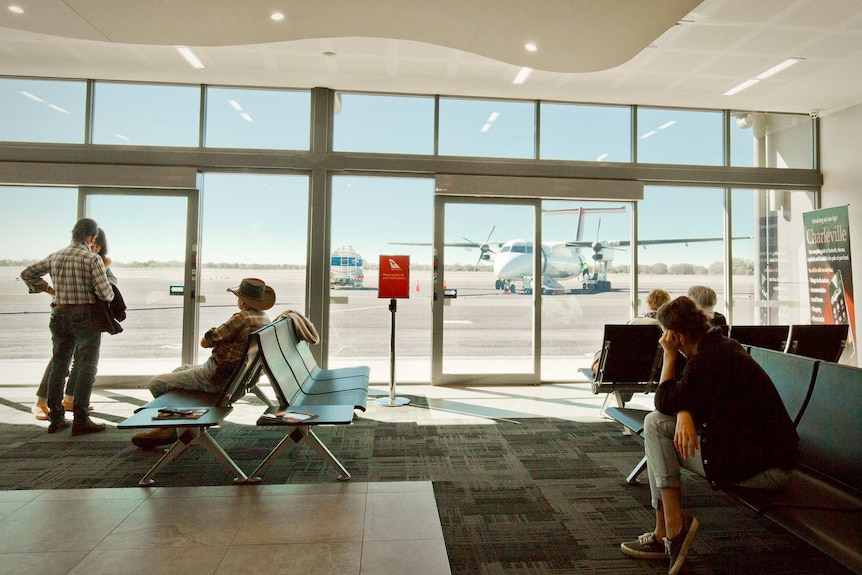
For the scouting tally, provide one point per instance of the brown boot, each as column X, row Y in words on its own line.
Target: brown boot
column 155, row 438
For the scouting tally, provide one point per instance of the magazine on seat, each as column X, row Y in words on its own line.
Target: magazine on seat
column 287, row 416
column 180, row 413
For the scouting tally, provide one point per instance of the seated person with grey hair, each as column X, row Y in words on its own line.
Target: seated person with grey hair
column 705, row 298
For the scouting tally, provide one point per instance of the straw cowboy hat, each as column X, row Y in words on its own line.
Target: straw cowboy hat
column 255, row 293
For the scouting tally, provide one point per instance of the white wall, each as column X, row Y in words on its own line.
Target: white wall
column 841, row 157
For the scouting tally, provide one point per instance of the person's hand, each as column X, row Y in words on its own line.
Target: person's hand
column 685, row 436
column 670, row 342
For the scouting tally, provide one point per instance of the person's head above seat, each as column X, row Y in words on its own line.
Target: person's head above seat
column 683, row 316
column 705, row 297
column 253, row 293
column 657, row 298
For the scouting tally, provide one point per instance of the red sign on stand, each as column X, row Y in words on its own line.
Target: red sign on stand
column 394, row 277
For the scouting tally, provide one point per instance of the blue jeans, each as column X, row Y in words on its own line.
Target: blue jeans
column 664, row 463
column 72, row 334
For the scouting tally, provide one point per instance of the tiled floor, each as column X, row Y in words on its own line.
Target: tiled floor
column 335, row 528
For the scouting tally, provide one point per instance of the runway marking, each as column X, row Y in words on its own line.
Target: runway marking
column 457, row 321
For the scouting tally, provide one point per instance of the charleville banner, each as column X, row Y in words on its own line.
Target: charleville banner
column 830, row 279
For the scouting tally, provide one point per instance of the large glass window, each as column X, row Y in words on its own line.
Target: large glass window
column 373, row 217
column 146, row 114
column 781, row 268
column 383, row 124
column 253, row 225
column 34, row 222
column 487, row 128
column 585, row 133
column 770, row 140
column 673, row 136
column 43, row 110
column 264, row 119
column 744, row 257
column 681, row 239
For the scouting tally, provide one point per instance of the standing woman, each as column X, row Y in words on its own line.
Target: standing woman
column 40, row 408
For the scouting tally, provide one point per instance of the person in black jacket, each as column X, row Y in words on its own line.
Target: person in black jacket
column 722, row 418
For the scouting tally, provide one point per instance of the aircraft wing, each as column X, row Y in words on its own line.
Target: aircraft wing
column 446, row 244
column 627, row 243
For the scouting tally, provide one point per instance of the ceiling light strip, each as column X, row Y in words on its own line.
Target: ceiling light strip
column 190, row 56
column 763, row 75
column 522, row 76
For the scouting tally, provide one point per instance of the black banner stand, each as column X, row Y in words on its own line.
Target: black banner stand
column 392, row 401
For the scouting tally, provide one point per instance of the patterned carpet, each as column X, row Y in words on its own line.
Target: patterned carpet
column 531, row 496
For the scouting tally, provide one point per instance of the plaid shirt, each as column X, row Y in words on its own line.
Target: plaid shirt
column 230, row 338
column 78, row 274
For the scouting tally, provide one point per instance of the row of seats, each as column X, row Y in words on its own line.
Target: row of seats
column 823, row 503
column 630, row 357
column 329, row 397
column 820, row 341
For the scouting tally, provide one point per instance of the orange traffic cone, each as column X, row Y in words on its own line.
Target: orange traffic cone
column 444, row 284
column 417, row 285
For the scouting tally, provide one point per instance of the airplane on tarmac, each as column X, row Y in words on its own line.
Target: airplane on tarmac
column 564, row 267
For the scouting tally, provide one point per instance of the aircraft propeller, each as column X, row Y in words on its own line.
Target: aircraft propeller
column 484, row 248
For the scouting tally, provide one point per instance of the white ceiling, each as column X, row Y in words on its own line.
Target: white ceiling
column 658, row 52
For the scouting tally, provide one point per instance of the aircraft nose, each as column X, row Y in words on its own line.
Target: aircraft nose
column 506, row 267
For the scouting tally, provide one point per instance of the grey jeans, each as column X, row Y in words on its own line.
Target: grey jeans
column 664, row 463
column 189, row 376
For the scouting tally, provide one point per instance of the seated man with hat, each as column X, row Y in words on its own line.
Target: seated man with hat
column 228, row 342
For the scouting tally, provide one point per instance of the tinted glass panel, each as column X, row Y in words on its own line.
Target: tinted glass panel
column 42, row 111
column 146, row 115
column 764, row 140
column 487, row 128
column 670, row 136
column 384, row 124
column 263, row 119
column 363, row 229
column 25, row 342
column 585, row 133
column 233, row 246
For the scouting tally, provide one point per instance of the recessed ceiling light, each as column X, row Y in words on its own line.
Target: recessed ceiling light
column 530, row 47
column 16, row 9
column 276, row 16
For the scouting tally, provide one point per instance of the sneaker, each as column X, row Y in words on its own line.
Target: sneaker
column 679, row 546
column 645, row 547
column 152, row 439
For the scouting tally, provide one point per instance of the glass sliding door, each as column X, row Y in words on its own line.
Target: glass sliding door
column 151, row 242
column 485, row 291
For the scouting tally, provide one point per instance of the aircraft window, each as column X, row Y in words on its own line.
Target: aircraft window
column 506, row 249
